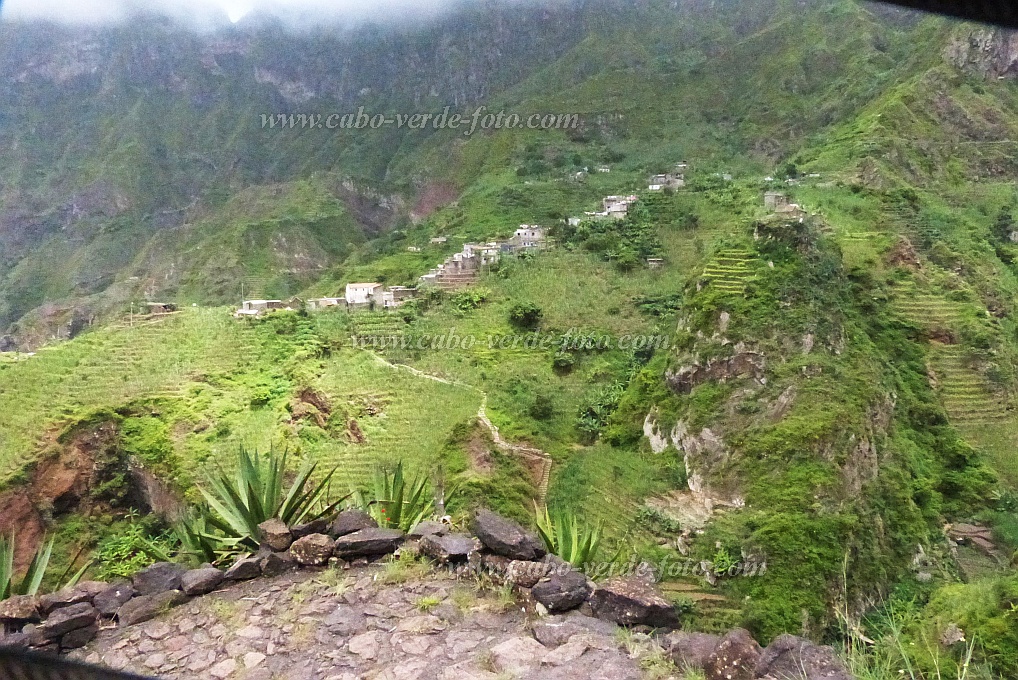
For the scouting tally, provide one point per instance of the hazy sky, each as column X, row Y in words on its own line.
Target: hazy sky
column 204, row 11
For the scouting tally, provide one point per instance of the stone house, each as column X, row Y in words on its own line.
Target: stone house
column 161, row 307
column 666, row 181
column 262, row 305
column 528, row 236
column 326, row 302
column 397, row 295
column 774, row 199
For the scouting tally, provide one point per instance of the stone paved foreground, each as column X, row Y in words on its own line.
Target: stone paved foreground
column 349, row 625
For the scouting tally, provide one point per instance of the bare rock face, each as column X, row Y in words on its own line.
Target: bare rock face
column 735, row 657
column 633, row 602
column 201, row 581
column 505, row 537
column 447, row 548
column 789, row 656
column 369, row 543
column 988, row 52
column 561, row 592
column 690, row 650
column 738, row 365
column 313, row 550
column 275, row 534
column 159, row 578
column 350, row 521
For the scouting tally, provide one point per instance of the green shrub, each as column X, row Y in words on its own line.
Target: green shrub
column 565, row 536
column 254, row 494
column 30, row 582
column 525, row 316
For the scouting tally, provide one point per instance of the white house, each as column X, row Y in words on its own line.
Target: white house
column 528, row 236
column 363, row 293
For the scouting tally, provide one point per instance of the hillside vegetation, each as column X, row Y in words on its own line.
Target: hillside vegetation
column 822, row 398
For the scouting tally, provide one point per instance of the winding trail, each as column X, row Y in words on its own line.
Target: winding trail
column 542, row 458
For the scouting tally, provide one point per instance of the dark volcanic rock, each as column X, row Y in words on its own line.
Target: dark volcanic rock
column 19, row 609
column 350, row 521
column 690, row 650
column 79, row 637
column 66, row 619
column 316, row 526
column 505, row 537
column 148, row 607
column 734, row 658
column 15, row 641
column 312, row 551
column 201, row 581
column 633, row 602
column 113, row 598
column 83, row 592
column 789, row 657
column 447, row 548
column 428, row 528
column 244, row 569
column 369, row 542
column 275, row 534
column 276, row 563
column 159, row 578
column 561, row 592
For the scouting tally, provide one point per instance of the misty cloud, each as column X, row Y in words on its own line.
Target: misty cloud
column 218, row 12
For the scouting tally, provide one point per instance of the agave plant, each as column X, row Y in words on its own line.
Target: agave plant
column 564, row 535
column 238, row 503
column 399, row 502
column 29, row 584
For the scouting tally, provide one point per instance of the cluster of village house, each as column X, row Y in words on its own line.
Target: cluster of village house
column 464, row 267
column 458, row 270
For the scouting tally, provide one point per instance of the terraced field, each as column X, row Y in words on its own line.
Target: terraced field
column 967, row 396
column 932, row 311
column 377, row 325
column 401, row 416
column 109, row 367
column 730, row 270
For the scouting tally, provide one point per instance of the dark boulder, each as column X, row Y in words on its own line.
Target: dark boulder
column 690, row 650
column 276, row 563
column 428, row 528
column 275, row 534
column 15, row 641
column 505, row 537
column 79, row 637
column 65, row 597
column 561, row 592
column 109, row 601
column 64, row 620
column 447, row 548
column 19, row 609
column 244, row 569
column 789, row 657
column 633, row 602
column 315, row 526
column 201, row 581
column 148, row 607
column 369, row 542
column 312, row 551
column 159, row 578
column 349, row 521
column 735, row 657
